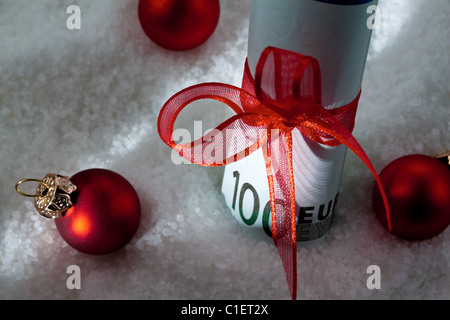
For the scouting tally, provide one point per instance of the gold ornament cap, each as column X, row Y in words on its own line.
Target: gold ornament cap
column 444, row 157
column 52, row 196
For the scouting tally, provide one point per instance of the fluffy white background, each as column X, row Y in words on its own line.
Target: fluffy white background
column 77, row 99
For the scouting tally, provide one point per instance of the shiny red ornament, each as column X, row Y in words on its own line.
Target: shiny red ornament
column 178, row 24
column 105, row 213
column 418, row 191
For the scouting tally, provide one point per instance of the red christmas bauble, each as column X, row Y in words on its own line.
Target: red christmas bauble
column 178, row 24
column 418, row 191
column 105, row 213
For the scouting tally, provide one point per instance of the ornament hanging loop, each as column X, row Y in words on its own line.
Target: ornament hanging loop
column 52, row 197
column 36, row 195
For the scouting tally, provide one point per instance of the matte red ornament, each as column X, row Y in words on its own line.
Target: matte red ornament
column 418, row 191
column 178, row 24
column 105, row 212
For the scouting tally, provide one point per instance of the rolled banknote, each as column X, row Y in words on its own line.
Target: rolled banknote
column 337, row 34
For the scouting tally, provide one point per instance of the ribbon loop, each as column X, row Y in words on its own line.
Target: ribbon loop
column 285, row 94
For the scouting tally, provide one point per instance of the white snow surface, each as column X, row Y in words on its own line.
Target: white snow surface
column 77, row 99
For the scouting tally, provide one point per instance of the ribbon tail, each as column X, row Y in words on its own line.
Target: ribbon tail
column 282, row 203
column 334, row 128
column 352, row 144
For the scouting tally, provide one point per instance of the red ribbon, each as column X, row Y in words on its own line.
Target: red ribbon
column 284, row 96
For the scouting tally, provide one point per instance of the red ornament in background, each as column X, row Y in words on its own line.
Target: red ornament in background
column 418, row 191
column 105, row 213
column 178, row 24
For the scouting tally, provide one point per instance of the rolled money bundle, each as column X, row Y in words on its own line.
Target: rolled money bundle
column 337, row 34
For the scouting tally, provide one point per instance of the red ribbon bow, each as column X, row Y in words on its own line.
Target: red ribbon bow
column 284, row 96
